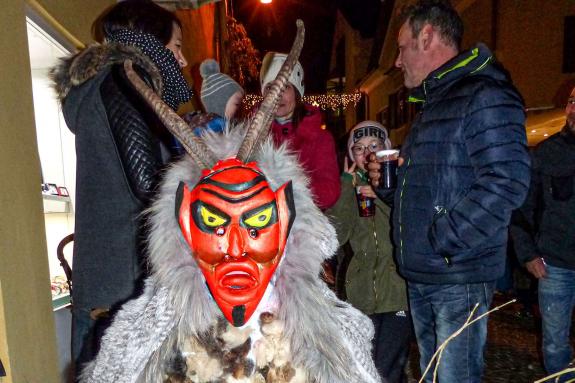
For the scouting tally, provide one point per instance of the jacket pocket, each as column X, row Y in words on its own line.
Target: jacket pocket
column 562, row 188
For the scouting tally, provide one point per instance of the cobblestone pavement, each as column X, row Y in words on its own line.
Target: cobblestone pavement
column 513, row 347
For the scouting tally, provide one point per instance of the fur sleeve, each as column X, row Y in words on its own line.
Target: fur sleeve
column 358, row 332
column 139, row 328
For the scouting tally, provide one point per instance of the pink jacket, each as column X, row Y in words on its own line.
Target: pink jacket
column 316, row 148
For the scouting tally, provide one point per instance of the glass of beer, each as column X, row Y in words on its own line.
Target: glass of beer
column 389, row 161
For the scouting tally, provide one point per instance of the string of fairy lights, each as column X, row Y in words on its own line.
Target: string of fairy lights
column 333, row 101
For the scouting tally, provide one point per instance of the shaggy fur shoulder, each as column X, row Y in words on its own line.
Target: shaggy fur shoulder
column 78, row 68
column 329, row 339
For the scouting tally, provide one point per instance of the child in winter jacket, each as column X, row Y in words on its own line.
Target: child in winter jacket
column 221, row 97
column 371, row 282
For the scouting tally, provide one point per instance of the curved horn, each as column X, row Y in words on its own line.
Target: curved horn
column 196, row 148
column 260, row 124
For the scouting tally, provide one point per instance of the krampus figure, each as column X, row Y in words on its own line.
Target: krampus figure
column 236, row 246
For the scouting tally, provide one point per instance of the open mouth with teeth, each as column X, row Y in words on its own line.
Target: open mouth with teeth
column 238, row 287
column 238, row 280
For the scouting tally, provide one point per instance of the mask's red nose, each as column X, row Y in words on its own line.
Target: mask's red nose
column 236, row 243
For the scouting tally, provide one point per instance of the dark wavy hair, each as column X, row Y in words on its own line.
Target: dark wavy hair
column 138, row 15
column 438, row 13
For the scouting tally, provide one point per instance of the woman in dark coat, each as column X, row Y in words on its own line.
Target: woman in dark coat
column 121, row 148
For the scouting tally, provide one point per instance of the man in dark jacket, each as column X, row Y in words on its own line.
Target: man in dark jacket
column 465, row 167
column 543, row 230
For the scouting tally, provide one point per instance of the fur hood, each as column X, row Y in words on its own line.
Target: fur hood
column 328, row 338
column 78, row 68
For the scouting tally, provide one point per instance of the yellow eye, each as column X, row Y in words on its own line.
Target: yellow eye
column 260, row 219
column 210, row 219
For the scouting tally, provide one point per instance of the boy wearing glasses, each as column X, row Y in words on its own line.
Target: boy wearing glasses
column 372, row 284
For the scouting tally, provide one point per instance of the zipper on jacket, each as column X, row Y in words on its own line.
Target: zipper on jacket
column 376, row 261
column 400, row 211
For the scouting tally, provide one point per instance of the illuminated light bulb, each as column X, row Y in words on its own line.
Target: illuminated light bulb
column 534, row 131
column 266, row 1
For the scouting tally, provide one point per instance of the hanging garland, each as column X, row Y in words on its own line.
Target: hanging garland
column 244, row 60
column 332, row 101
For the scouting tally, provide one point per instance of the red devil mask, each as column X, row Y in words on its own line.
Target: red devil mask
column 237, row 228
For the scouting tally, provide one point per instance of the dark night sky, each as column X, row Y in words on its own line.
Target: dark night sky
column 272, row 27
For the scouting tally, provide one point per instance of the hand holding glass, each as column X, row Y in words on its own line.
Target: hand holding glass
column 389, row 162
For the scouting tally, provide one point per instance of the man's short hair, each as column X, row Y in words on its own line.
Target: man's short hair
column 440, row 14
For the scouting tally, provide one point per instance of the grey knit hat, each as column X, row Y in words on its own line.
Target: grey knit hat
column 217, row 88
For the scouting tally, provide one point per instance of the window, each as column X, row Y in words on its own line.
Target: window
column 400, row 111
column 360, row 108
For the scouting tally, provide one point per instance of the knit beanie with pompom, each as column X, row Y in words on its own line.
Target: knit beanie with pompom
column 217, row 88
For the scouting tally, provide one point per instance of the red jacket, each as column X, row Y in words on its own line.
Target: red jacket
column 316, row 148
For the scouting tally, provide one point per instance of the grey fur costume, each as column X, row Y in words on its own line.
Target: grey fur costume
column 328, row 338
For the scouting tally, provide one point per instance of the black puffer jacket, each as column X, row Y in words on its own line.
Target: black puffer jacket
column 466, row 168
column 118, row 154
column 545, row 225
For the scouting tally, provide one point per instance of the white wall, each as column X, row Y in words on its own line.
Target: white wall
column 55, row 142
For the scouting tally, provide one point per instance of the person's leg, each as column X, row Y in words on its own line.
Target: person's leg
column 393, row 345
column 556, row 299
column 462, row 359
column 82, row 328
column 423, row 324
column 378, row 347
column 88, row 327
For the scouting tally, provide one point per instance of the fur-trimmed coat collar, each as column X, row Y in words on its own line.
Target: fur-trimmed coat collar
column 328, row 338
column 78, row 68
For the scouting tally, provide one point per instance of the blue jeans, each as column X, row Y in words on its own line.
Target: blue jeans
column 556, row 301
column 437, row 312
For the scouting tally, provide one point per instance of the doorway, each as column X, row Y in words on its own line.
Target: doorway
column 58, row 162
